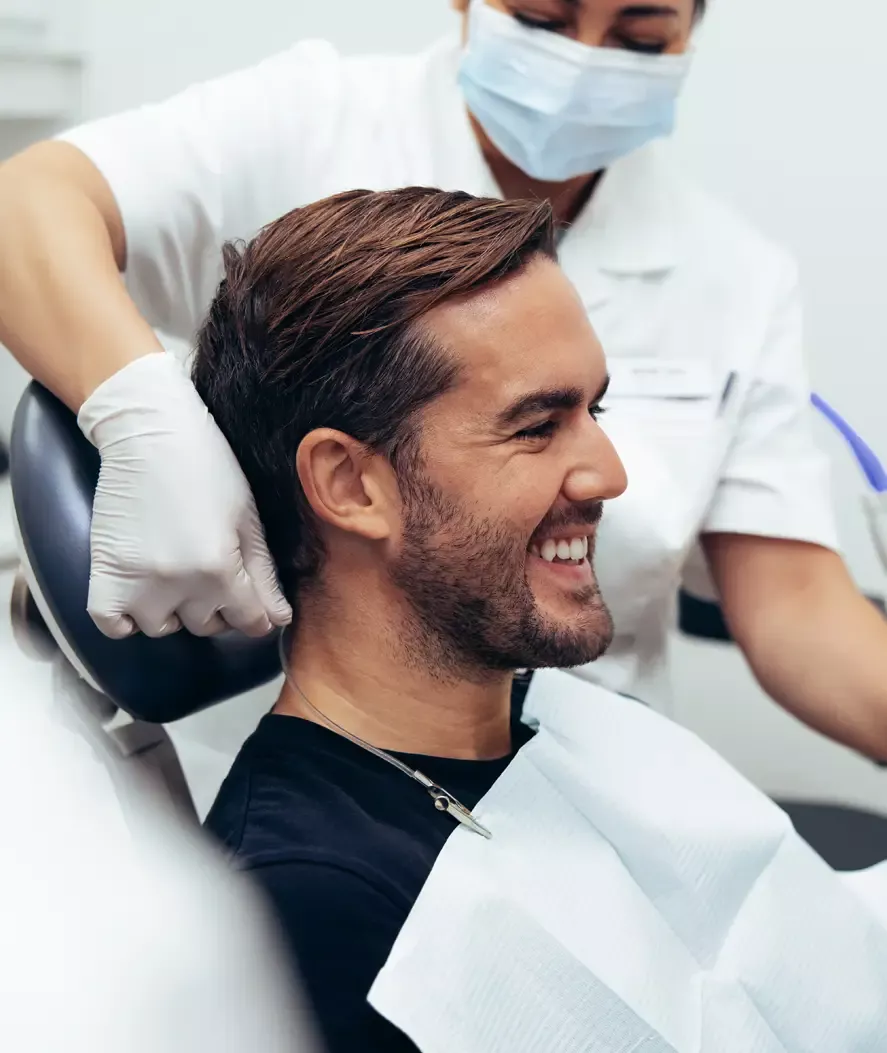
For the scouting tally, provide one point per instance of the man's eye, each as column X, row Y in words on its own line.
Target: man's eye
column 545, row 430
column 550, row 25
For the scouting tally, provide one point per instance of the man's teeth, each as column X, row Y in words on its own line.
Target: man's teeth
column 566, row 549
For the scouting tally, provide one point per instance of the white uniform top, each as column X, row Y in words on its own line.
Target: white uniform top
column 698, row 314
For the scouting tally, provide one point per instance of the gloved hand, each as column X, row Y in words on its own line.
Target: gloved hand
column 175, row 539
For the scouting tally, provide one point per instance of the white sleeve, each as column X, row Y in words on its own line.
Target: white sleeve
column 215, row 162
column 775, row 481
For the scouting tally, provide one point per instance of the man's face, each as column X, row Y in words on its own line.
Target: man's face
column 652, row 28
column 499, row 520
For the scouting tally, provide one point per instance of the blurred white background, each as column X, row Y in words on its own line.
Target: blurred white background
column 782, row 116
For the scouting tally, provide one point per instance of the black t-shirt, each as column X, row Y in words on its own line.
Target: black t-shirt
column 342, row 843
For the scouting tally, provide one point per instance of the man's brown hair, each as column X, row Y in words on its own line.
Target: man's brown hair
column 315, row 324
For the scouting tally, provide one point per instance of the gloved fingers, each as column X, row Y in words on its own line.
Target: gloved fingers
column 107, row 608
column 115, row 608
column 115, row 626
column 154, row 615
column 244, row 611
column 260, row 570
column 200, row 618
column 175, row 540
column 158, row 626
column 254, row 624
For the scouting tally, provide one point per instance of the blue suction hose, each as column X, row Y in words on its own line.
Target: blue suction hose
column 865, row 456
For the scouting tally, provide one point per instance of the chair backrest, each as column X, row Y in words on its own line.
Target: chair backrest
column 54, row 471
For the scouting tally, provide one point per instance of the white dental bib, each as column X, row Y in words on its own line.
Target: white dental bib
column 638, row 896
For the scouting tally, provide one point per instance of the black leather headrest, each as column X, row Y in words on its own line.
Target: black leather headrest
column 54, row 475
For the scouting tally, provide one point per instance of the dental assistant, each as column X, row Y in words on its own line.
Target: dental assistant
column 698, row 313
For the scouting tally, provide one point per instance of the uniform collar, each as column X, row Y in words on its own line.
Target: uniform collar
column 630, row 226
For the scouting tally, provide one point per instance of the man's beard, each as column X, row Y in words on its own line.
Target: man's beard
column 474, row 611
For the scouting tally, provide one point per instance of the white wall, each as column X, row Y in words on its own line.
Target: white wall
column 144, row 50
column 782, row 116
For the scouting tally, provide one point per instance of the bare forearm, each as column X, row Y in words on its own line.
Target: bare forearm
column 815, row 644
column 821, row 652
column 64, row 311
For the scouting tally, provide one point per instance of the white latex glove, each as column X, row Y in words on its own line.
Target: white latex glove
column 175, row 535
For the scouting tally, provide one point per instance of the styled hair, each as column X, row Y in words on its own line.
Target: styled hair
column 316, row 324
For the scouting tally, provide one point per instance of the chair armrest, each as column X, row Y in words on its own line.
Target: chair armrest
column 704, row 619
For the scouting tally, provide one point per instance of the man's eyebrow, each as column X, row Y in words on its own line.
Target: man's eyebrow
column 547, row 401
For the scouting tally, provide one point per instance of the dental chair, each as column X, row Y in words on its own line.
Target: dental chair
column 130, row 688
column 127, row 688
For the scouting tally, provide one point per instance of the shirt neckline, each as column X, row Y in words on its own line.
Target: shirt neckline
column 286, row 732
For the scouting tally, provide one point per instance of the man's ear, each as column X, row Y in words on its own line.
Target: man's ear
column 347, row 485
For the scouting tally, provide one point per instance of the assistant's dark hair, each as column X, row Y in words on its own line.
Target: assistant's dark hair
column 315, row 324
column 700, row 7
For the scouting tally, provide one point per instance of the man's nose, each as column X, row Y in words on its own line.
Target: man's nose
column 598, row 474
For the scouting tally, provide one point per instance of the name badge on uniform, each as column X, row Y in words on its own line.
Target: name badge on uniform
column 660, row 378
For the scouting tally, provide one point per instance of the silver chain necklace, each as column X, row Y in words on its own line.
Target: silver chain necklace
column 443, row 800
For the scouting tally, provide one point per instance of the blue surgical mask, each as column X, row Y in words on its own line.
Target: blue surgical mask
column 558, row 109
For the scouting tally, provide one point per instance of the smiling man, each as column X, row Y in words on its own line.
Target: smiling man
column 431, row 484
